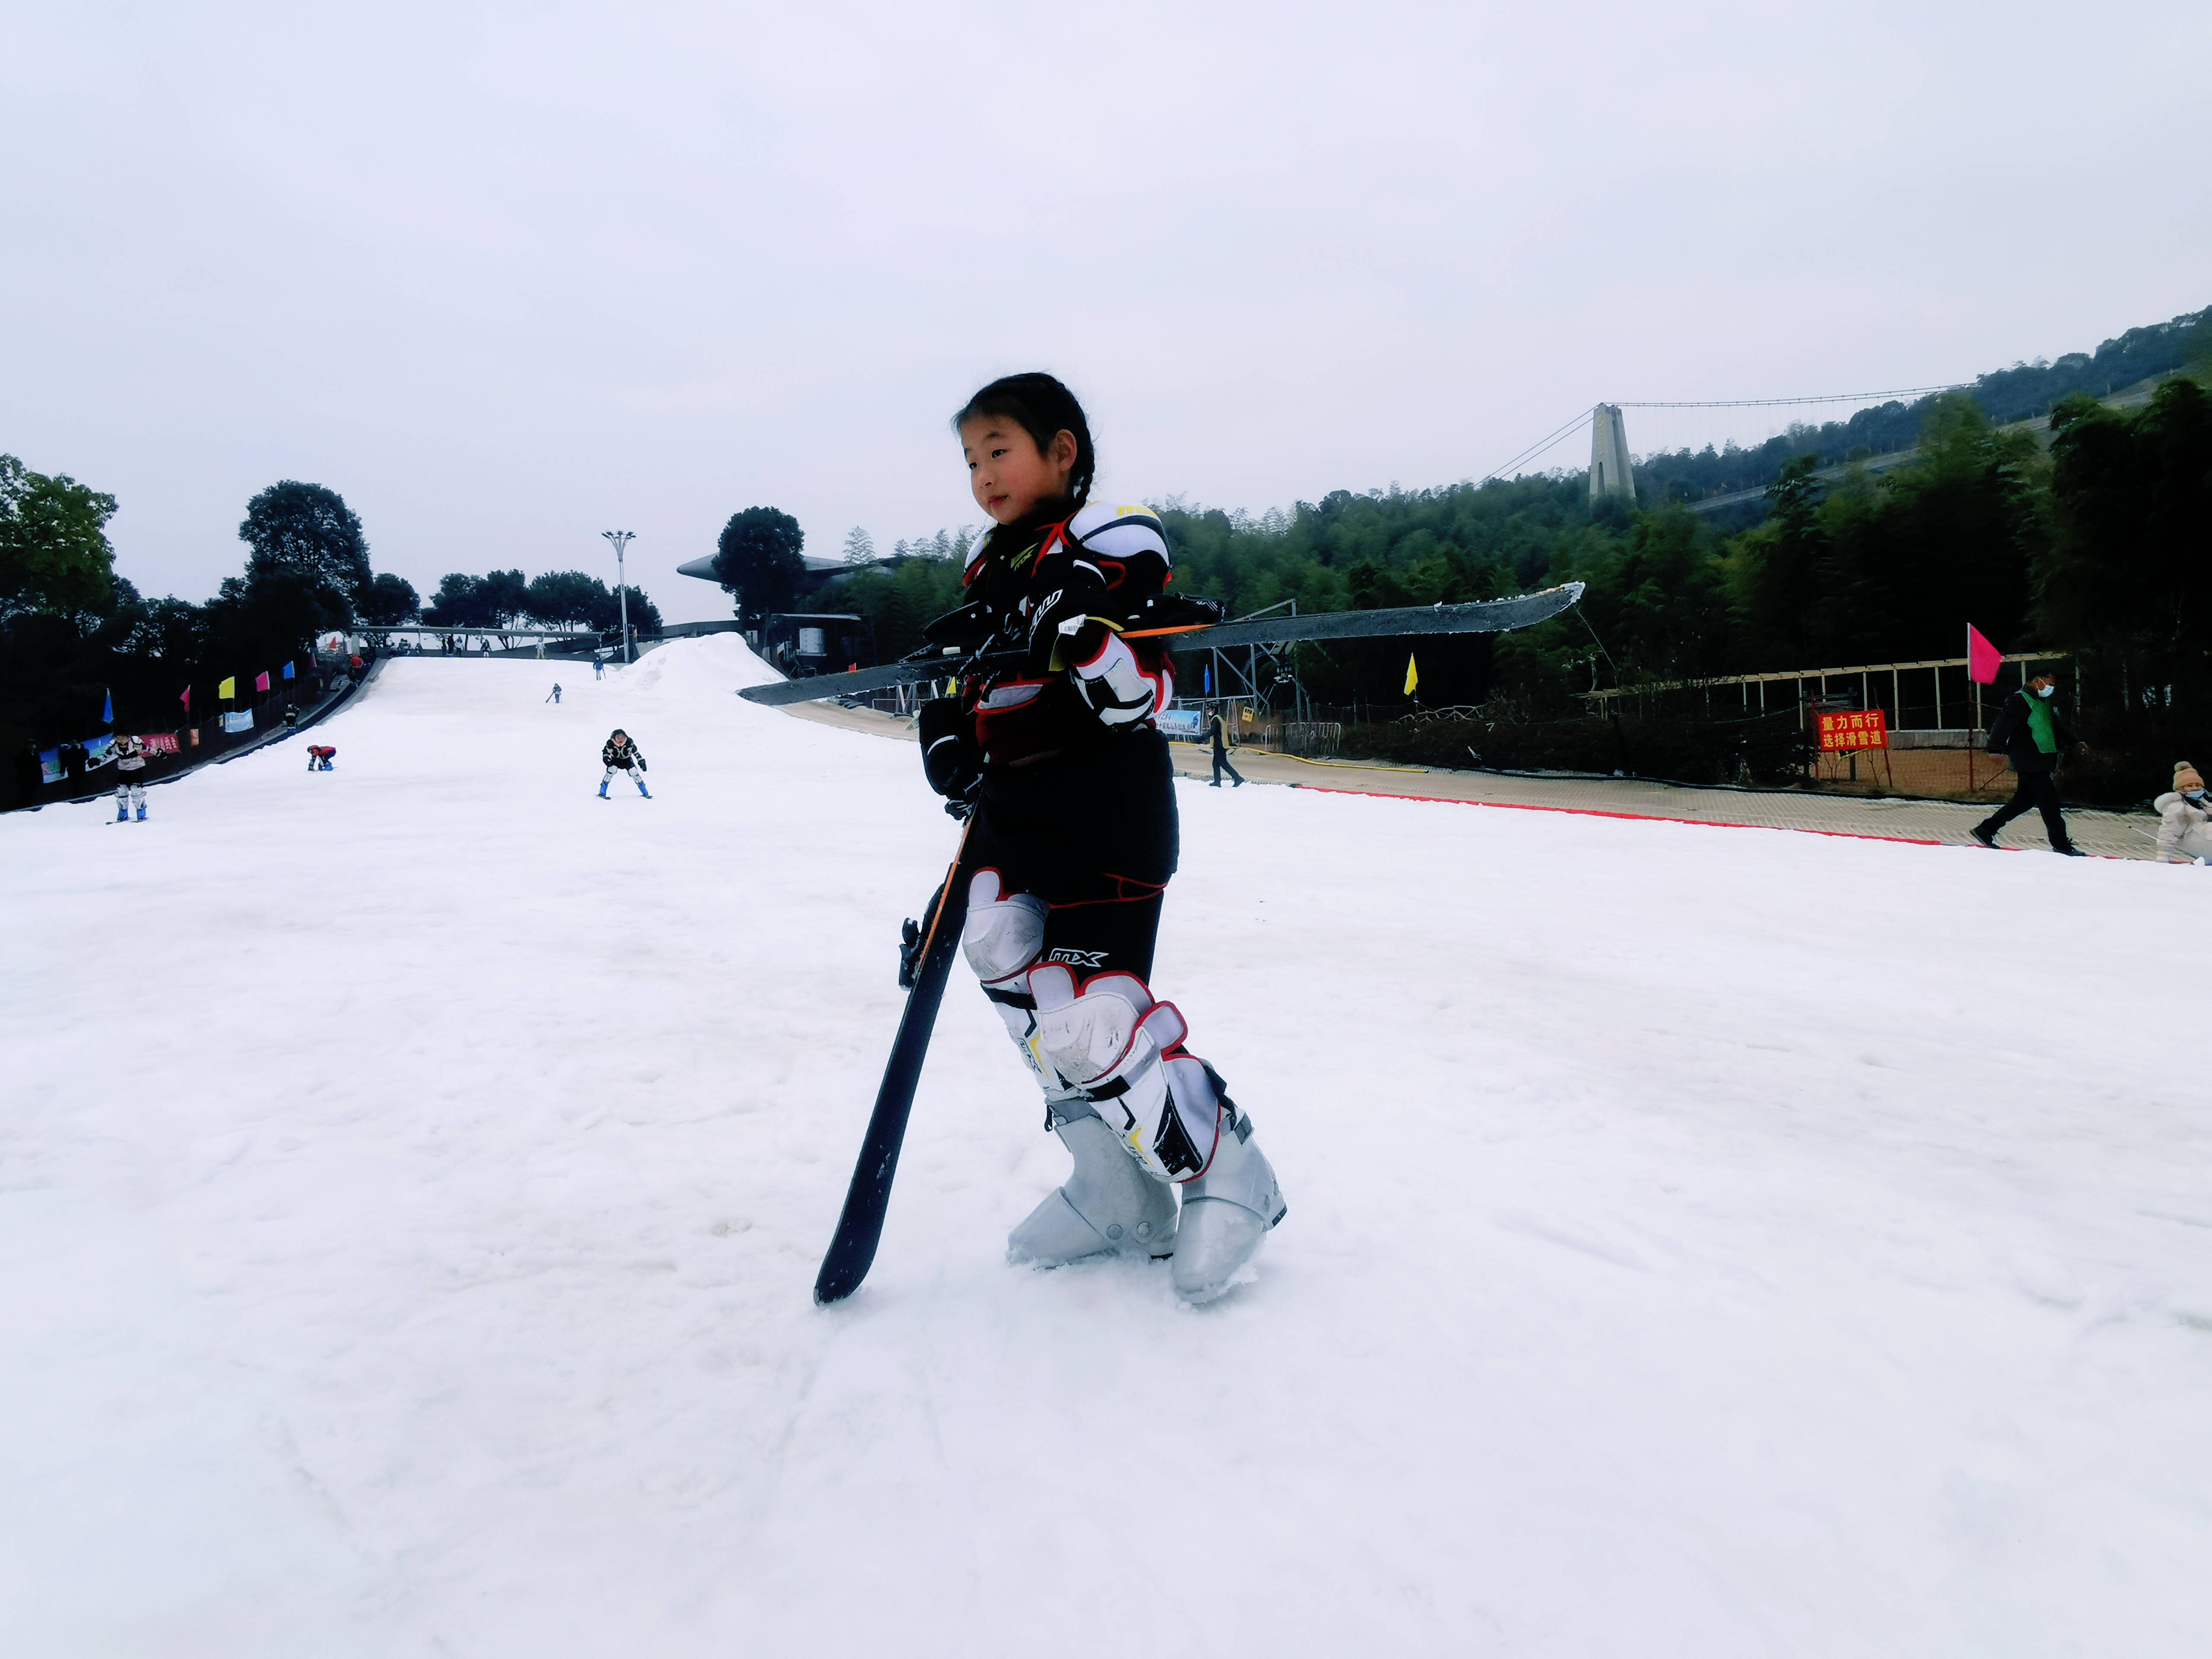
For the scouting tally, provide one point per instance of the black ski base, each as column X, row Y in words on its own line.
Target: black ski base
column 860, row 1225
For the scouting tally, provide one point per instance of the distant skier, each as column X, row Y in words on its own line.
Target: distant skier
column 1074, row 840
column 555, row 698
column 1220, row 730
column 130, row 778
column 319, row 756
column 599, row 665
column 620, row 755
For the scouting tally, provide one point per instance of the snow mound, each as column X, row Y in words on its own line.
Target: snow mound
column 1700, row 1242
column 690, row 669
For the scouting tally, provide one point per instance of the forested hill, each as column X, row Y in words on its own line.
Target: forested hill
column 2019, row 393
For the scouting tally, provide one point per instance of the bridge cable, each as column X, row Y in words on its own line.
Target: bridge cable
column 1824, row 397
column 1537, row 448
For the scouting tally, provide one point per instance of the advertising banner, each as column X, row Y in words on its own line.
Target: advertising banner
column 160, row 743
column 1865, row 728
column 1184, row 725
column 240, row 720
column 53, row 763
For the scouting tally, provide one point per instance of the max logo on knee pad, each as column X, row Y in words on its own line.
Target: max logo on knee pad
column 1076, row 958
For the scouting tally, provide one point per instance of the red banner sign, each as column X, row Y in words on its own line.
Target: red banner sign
column 1857, row 729
column 160, row 743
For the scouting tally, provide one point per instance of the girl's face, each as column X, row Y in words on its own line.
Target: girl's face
column 1008, row 473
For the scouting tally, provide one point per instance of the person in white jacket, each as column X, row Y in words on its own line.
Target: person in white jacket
column 2185, row 819
column 130, row 778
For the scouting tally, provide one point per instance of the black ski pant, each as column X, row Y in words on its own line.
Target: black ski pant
column 1220, row 765
column 2036, row 791
column 1093, row 833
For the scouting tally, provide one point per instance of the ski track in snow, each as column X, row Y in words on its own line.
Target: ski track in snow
column 1701, row 1241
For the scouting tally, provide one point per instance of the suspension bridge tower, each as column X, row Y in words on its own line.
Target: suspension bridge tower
column 1609, row 474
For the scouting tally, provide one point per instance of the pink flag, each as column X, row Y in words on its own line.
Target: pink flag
column 1983, row 658
column 187, row 699
column 261, row 680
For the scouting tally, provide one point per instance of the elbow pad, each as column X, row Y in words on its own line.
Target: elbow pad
column 1117, row 688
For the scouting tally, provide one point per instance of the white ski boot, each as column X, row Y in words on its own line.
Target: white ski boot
column 1109, row 1206
column 1226, row 1213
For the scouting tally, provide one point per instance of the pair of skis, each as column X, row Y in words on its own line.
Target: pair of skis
column 860, row 1224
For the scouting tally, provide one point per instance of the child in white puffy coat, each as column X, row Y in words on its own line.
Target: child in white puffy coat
column 2185, row 819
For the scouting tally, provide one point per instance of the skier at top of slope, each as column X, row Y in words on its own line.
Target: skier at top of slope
column 130, row 777
column 619, row 754
column 1073, row 840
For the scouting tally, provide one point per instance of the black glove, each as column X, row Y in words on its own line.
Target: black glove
column 952, row 759
column 1062, row 620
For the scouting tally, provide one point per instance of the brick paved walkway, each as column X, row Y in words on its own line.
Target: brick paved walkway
column 2115, row 835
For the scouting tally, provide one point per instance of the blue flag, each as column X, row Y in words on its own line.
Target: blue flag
column 287, row 671
column 107, row 709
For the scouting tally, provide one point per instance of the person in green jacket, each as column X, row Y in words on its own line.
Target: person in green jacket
column 2030, row 734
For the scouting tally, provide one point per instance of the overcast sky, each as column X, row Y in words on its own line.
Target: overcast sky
column 507, row 276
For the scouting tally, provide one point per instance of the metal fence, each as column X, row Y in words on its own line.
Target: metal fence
column 1933, row 695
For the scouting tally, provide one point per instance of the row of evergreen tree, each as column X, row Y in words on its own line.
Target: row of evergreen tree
column 2093, row 546
column 559, row 599
column 2024, row 391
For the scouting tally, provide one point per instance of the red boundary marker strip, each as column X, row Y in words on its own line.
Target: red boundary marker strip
column 1633, row 817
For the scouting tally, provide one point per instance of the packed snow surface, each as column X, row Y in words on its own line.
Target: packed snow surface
column 1702, row 1240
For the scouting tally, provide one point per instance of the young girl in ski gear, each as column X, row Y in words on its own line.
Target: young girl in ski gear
column 130, row 778
column 1072, row 842
column 319, row 756
column 2185, row 819
column 619, row 754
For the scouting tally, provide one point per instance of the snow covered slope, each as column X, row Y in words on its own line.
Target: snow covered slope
column 1702, row 1240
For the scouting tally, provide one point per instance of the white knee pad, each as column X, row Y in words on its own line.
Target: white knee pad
column 1118, row 1047
column 1083, row 1037
column 1003, row 935
column 1005, row 931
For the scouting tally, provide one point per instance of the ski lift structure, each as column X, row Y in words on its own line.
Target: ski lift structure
column 1264, row 674
column 421, row 638
column 804, row 643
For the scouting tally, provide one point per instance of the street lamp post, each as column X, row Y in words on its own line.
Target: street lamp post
column 621, row 538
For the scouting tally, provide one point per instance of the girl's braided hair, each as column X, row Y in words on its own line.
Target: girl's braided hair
column 1044, row 409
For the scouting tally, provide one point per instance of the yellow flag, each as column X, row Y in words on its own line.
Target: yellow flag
column 228, row 689
column 1412, row 674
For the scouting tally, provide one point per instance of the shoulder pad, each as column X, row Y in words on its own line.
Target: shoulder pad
column 1119, row 532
